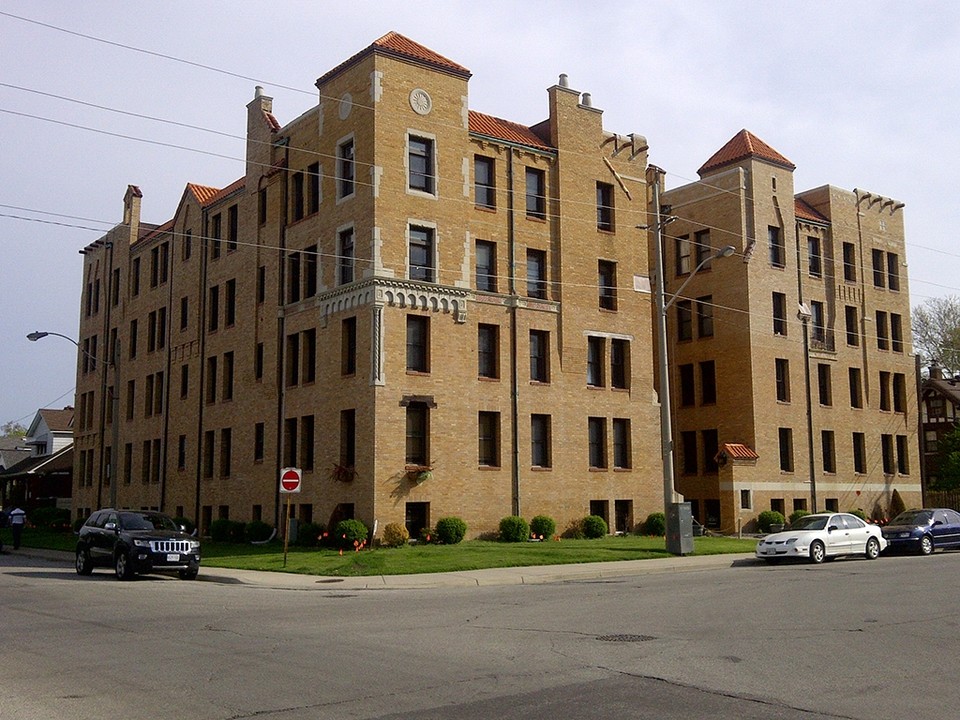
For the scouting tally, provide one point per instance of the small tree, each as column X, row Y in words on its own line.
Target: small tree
column 768, row 518
column 12, row 429
column 897, row 505
column 948, row 461
column 594, row 527
column 514, row 529
column 655, row 524
column 543, row 527
column 450, row 530
column 936, row 332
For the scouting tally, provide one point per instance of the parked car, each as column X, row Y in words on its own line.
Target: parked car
column 136, row 541
column 821, row 536
column 923, row 530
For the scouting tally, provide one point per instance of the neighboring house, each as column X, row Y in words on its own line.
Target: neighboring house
column 42, row 476
column 771, row 411
column 939, row 414
column 430, row 311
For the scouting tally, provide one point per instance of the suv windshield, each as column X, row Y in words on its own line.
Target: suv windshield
column 146, row 521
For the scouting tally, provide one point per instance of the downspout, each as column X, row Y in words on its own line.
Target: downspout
column 108, row 357
column 805, row 319
column 863, row 303
column 201, row 336
column 281, row 345
column 165, row 436
column 514, row 379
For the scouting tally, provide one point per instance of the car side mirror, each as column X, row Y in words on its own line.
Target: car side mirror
column 110, row 526
column 937, row 522
column 832, row 528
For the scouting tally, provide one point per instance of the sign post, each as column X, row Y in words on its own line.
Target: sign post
column 290, row 479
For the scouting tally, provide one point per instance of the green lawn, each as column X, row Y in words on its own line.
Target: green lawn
column 468, row 555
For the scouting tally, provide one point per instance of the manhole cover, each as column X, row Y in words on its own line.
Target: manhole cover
column 626, row 638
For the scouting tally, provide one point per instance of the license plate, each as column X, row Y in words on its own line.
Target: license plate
column 173, row 557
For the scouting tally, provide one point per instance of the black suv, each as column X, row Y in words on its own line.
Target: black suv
column 136, row 541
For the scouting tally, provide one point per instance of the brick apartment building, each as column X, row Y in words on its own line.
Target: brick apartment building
column 760, row 423
column 429, row 310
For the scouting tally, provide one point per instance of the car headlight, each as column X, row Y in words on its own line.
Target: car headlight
column 141, row 543
column 195, row 546
column 791, row 541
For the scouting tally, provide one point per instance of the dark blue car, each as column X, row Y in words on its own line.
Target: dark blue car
column 923, row 531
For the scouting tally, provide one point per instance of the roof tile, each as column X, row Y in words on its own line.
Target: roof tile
column 741, row 146
column 504, row 130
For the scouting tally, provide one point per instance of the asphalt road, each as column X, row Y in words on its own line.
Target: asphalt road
column 848, row 639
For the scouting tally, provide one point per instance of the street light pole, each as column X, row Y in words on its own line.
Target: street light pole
column 115, row 401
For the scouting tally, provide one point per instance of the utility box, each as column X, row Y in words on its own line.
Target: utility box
column 679, row 528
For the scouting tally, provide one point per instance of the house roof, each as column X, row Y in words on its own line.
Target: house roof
column 59, row 462
column 737, row 451
column 58, row 420
column 500, row 129
column 803, row 211
column 949, row 388
column 741, row 146
column 395, row 45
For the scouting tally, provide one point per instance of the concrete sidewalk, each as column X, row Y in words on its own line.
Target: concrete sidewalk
column 530, row 575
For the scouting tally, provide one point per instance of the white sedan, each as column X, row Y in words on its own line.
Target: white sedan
column 823, row 535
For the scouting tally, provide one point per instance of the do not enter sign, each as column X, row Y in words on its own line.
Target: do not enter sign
column 290, row 480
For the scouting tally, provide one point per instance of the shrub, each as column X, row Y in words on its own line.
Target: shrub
column 427, row 535
column 543, row 527
column 187, row 524
column 349, row 532
column 797, row 514
column 768, row 518
column 224, row 530
column 859, row 513
column 257, row 531
column 308, row 534
column 655, row 524
column 594, row 527
column 395, row 535
column 514, row 529
column 450, row 530
column 52, row 518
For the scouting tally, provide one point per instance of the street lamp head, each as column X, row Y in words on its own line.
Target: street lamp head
column 725, row 251
column 36, row 335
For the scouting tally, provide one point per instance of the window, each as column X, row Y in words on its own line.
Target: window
column 290, row 442
column 421, row 254
column 258, row 362
column 293, row 360
column 540, row 441
column 705, row 316
column 259, row 441
column 296, row 192
column 184, row 312
column 778, row 251
column 131, row 398
column 135, row 278
column 903, row 466
column 604, row 206
column 348, row 346
column 345, row 169
column 488, row 351
column 701, row 241
column 856, row 391
column 896, row 333
column 313, row 188
column 597, row 441
column 620, row 364
column 537, row 274
column 420, row 156
column 786, row 449
column 539, row 356
column 418, row 343
column 688, row 393
column 883, row 333
column 293, row 277
column 879, row 271
column 486, row 259
column 899, row 392
column 348, row 438
column 849, row 262
column 779, row 314
column 851, row 318
column 595, row 361
column 228, row 373
column 216, row 233
column 230, row 303
column 133, row 339
column 930, row 440
column 622, row 450
column 893, row 271
column 828, row 451
column 345, row 256
column 886, row 448
column 208, row 443
column 182, row 452
column 307, row 428
column 783, row 379
column 261, row 207
column 484, row 182
column 824, row 385
column 884, row 390
column 261, row 284
column 708, row 383
column 211, row 380
column 682, row 245
column 684, row 320
column 688, row 441
column 745, row 501
column 607, row 283
column 859, row 452
column 488, row 434
column 814, row 258
column 818, row 322
column 710, row 448
column 309, row 355
column 536, row 194
column 186, row 249
column 226, row 451
column 184, row 380
column 418, row 416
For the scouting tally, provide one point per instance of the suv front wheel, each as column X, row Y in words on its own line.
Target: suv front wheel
column 122, row 566
column 84, row 565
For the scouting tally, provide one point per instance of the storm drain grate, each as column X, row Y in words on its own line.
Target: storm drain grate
column 625, row 638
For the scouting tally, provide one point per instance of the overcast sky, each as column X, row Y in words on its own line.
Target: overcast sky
column 857, row 94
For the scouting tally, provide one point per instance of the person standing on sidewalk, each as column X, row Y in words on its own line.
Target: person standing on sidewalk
column 18, row 519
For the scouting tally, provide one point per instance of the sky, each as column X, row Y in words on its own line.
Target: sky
column 98, row 95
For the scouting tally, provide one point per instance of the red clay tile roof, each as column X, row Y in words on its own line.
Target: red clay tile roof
column 738, row 451
column 499, row 129
column 396, row 45
column 206, row 195
column 803, row 211
column 743, row 145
